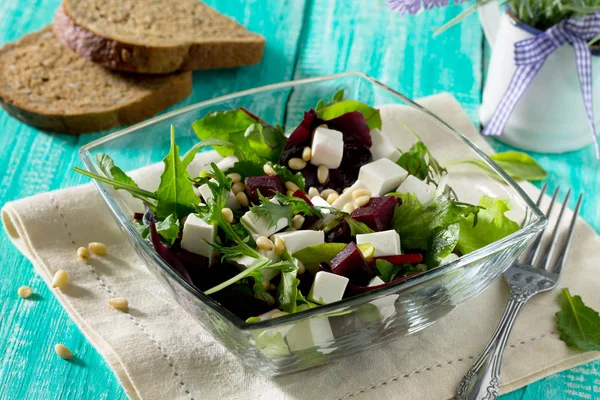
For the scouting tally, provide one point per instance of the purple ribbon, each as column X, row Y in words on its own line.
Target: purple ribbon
column 530, row 55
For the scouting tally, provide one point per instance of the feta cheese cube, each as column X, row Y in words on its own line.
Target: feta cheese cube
column 383, row 147
column 327, row 288
column 260, row 226
column 312, row 332
column 327, row 147
column 386, row 243
column 347, row 197
column 425, row 192
column 298, row 240
column 207, row 195
column 376, row 281
column 225, row 164
column 196, row 233
column 321, row 202
column 382, row 176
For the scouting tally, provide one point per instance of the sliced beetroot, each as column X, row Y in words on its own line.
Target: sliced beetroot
column 268, row 186
column 377, row 214
column 354, row 128
column 402, row 259
column 339, row 234
column 354, row 290
column 300, row 194
column 351, row 264
column 241, row 304
column 308, row 219
column 164, row 252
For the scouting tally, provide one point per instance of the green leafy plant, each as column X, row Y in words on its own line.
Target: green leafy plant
column 578, row 325
column 517, row 165
column 285, row 207
column 387, row 270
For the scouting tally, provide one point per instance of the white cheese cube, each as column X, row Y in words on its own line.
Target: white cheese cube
column 196, row 233
column 376, row 281
column 425, row 192
column 347, row 197
column 381, row 176
column 327, row 288
column 312, row 332
column 298, row 240
column 448, row 259
column 225, row 164
column 386, row 243
column 260, row 226
column 383, row 147
column 321, row 202
column 327, row 148
column 207, row 195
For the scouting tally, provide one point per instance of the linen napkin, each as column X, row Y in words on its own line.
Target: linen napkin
column 157, row 351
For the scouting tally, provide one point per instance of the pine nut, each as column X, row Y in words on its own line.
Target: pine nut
column 62, row 351
column 301, row 268
column 291, row 186
column 348, row 207
column 119, row 303
column 362, row 201
column 298, row 221
column 297, row 164
column 332, row 197
column 235, row 177
column 327, row 192
column 279, row 245
column 278, row 314
column 83, row 253
column 322, row 173
column 242, row 199
column 306, row 154
column 238, row 187
column 269, row 170
column 60, row 279
column 361, row 192
column 227, row 214
column 24, row 292
column 313, row 192
column 264, row 243
column 97, row 248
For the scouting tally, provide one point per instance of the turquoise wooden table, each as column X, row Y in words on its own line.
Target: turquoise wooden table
column 304, row 38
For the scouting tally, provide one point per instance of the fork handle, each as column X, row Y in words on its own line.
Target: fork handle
column 482, row 382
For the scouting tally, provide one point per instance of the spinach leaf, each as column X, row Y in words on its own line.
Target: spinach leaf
column 578, row 325
column 371, row 115
column 387, row 270
column 174, row 194
column 492, row 225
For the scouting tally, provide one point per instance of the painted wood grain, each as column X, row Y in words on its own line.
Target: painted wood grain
column 304, row 38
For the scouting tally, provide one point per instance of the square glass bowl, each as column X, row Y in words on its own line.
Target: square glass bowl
column 316, row 336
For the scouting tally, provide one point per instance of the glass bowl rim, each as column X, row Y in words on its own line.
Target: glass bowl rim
column 536, row 225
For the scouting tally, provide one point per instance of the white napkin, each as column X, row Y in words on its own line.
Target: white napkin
column 157, row 351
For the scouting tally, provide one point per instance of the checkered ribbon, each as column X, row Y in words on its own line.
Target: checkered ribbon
column 530, row 55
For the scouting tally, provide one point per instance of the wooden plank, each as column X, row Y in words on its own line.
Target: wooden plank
column 34, row 162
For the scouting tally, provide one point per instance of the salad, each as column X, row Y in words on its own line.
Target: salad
column 282, row 224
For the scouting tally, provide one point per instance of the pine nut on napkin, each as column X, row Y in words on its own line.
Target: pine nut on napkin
column 158, row 352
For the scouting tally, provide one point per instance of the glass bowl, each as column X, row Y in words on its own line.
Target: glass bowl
column 285, row 344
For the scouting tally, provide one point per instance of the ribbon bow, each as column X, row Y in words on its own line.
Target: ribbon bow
column 530, row 55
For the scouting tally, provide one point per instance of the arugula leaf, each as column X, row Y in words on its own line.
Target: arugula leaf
column 255, row 139
column 288, row 175
column 144, row 195
column 285, row 207
column 492, row 225
column 337, row 97
column 519, row 166
column 414, row 161
column 174, row 194
column 168, row 229
column 337, row 109
column 189, row 156
column 107, row 165
column 578, row 325
column 416, row 224
column 441, row 244
column 357, row 227
column 387, row 270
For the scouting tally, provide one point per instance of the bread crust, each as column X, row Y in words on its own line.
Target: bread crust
column 176, row 88
column 128, row 57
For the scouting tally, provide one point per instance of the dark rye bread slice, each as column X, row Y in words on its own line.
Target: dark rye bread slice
column 155, row 37
column 46, row 85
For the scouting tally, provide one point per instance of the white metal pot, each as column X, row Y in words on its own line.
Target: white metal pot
column 550, row 116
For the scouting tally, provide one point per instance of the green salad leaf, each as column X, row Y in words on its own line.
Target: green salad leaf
column 441, row 244
column 247, row 168
column 414, row 161
column 288, row 175
column 337, row 97
column 168, row 229
column 387, row 270
column 578, row 325
column 337, row 109
column 518, row 165
column 107, row 165
column 175, row 194
column 357, row 227
column 318, row 253
column 492, row 225
column 255, row 139
column 286, row 208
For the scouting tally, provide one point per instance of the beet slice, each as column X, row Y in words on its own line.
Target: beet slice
column 308, row 219
column 354, row 128
column 377, row 213
column 268, row 186
column 339, row 234
column 354, row 290
column 402, row 259
column 351, row 264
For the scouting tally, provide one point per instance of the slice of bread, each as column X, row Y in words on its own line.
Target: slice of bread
column 155, row 37
column 46, row 85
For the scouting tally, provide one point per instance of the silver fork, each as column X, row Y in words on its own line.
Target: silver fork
column 527, row 277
